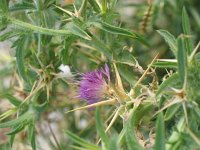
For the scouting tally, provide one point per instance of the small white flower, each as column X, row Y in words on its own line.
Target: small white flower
column 65, row 71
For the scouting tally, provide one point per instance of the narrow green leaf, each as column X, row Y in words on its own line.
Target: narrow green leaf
column 127, row 73
column 143, row 109
column 119, row 31
column 31, row 134
column 113, row 29
column 16, row 129
column 186, row 31
column 83, row 8
column 160, row 133
column 13, row 100
column 174, row 77
column 131, row 139
column 175, row 135
column 22, row 6
column 74, row 29
column 165, row 64
column 137, row 115
column 197, row 111
column 104, row 6
column 77, row 147
column 37, row 29
column 170, row 40
column 11, row 140
column 127, row 66
column 95, row 5
column 4, row 6
column 9, row 35
column 23, row 118
column 196, row 16
column 65, row 51
column 3, row 14
column 113, row 3
column 81, row 142
column 182, row 59
column 20, row 58
column 126, row 58
column 171, row 111
column 113, row 145
column 100, row 128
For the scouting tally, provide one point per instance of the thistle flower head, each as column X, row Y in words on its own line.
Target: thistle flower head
column 93, row 84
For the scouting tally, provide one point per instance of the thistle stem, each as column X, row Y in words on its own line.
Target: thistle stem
column 106, row 102
column 143, row 76
column 54, row 136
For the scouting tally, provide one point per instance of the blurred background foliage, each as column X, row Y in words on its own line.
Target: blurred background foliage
column 38, row 36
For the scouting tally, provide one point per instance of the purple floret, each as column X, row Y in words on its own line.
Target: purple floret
column 93, row 85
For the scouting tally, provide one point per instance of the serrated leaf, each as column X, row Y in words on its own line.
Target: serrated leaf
column 160, row 133
column 119, row 31
column 100, row 128
column 81, row 142
column 170, row 40
column 113, row 29
column 186, row 31
column 74, row 29
column 20, row 58
column 182, row 59
column 38, row 29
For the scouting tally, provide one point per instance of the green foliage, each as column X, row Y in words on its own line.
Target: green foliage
column 130, row 134
column 170, row 39
column 160, row 133
column 81, row 142
column 167, row 83
column 186, row 31
column 182, row 59
column 101, row 130
column 192, row 84
column 151, row 104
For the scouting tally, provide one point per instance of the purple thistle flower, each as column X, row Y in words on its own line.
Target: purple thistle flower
column 93, row 85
